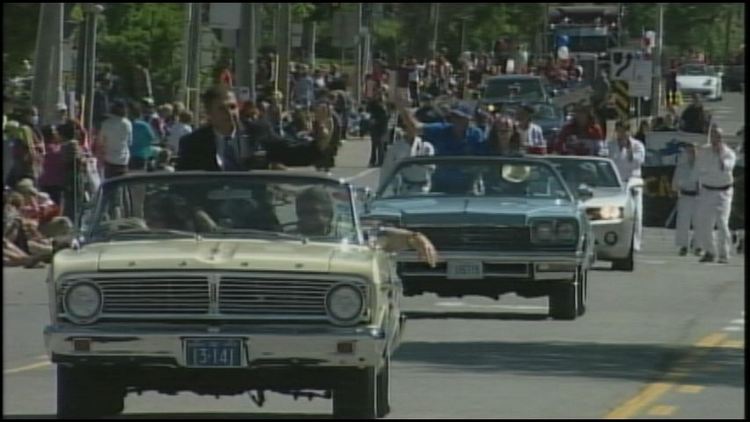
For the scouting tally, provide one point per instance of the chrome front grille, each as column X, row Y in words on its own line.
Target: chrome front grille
column 478, row 238
column 210, row 296
column 257, row 295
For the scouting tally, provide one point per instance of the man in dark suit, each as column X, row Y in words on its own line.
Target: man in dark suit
column 227, row 144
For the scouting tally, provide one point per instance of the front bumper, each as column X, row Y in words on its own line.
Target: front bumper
column 537, row 266
column 621, row 231
column 262, row 346
column 709, row 91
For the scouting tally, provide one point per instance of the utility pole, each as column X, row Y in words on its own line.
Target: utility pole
column 463, row 34
column 47, row 84
column 194, row 60
column 359, row 77
column 435, row 18
column 91, row 12
column 285, row 41
column 183, row 93
column 658, row 93
column 247, row 48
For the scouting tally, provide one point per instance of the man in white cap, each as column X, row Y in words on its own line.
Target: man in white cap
column 715, row 163
column 685, row 184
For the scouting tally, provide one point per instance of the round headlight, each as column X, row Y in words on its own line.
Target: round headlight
column 344, row 303
column 83, row 301
column 566, row 231
column 543, row 231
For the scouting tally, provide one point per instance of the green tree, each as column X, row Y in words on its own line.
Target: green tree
column 20, row 21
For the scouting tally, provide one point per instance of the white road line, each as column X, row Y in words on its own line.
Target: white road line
column 738, row 321
column 26, row 368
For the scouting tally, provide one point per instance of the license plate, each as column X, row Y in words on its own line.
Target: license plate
column 459, row 270
column 213, row 353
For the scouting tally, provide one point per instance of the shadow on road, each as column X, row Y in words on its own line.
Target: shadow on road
column 475, row 315
column 191, row 416
column 590, row 360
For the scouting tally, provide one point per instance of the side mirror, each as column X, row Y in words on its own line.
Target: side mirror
column 584, row 192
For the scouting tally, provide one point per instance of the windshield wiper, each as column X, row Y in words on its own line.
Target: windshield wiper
column 256, row 232
column 154, row 232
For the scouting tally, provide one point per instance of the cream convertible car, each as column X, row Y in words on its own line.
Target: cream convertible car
column 222, row 283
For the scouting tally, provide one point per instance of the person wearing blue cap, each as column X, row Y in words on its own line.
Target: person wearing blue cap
column 455, row 137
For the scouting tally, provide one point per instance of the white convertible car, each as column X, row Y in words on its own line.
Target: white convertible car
column 701, row 79
column 611, row 208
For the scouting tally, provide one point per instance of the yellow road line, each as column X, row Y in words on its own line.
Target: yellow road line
column 648, row 395
column 655, row 390
column 690, row 389
column 661, row 410
column 27, row 368
column 711, row 340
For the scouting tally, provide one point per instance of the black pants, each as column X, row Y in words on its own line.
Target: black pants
column 414, row 93
column 377, row 148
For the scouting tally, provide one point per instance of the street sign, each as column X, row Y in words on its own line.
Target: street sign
column 634, row 67
column 243, row 93
column 224, row 15
column 622, row 98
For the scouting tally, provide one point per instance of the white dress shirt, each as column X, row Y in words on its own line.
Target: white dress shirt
column 715, row 170
column 685, row 176
column 117, row 137
column 625, row 166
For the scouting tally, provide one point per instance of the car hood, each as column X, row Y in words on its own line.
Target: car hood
column 217, row 255
column 693, row 80
column 468, row 210
column 607, row 197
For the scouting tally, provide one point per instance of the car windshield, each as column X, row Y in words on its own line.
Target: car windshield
column 517, row 89
column 593, row 173
column 695, row 70
column 456, row 177
column 226, row 206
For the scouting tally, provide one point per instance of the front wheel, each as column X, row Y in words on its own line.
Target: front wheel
column 88, row 393
column 563, row 302
column 384, row 389
column 356, row 397
column 627, row 264
column 583, row 291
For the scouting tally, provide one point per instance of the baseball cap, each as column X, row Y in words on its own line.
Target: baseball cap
column 462, row 110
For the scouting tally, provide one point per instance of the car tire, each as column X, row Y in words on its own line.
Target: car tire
column 627, row 264
column 356, row 397
column 87, row 393
column 583, row 291
column 384, row 388
column 563, row 303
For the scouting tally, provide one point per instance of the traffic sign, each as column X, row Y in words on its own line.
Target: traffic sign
column 622, row 98
column 634, row 67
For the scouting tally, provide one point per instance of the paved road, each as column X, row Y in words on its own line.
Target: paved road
column 666, row 341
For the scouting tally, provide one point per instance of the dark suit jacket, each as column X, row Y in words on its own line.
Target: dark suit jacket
column 197, row 150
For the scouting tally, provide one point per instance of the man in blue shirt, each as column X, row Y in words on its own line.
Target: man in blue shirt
column 456, row 137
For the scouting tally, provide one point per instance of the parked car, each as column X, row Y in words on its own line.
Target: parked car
column 202, row 282
column 700, row 79
column 501, row 225
column 612, row 208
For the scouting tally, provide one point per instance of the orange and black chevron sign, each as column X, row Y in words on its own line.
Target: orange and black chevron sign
column 622, row 98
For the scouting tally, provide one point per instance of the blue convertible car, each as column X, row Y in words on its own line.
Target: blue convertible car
column 500, row 225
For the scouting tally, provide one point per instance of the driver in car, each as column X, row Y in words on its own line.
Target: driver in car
column 314, row 208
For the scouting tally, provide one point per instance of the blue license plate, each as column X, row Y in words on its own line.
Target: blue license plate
column 213, row 353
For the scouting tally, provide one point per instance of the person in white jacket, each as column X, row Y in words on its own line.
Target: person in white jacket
column 629, row 154
column 685, row 184
column 715, row 163
column 404, row 147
